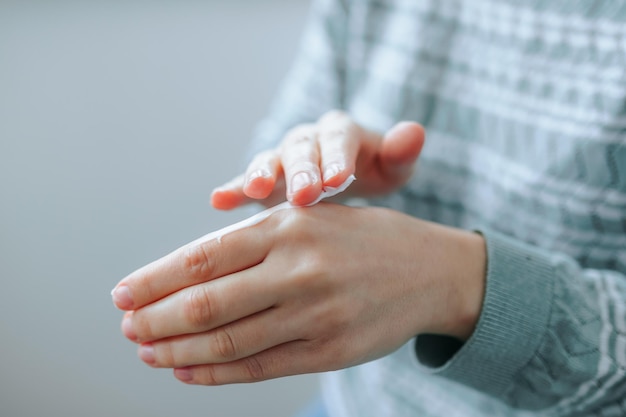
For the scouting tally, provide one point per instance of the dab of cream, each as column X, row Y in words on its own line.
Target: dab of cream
column 257, row 218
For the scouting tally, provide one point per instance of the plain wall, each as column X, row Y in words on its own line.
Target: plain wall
column 117, row 118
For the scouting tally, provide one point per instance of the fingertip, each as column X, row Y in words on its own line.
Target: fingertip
column 122, row 297
column 335, row 174
column 127, row 327
column 406, row 130
column 260, row 186
column 223, row 199
column 404, row 125
column 230, row 195
column 403, row 143
column 306, row 195
column 305, row 187
column 146, row 353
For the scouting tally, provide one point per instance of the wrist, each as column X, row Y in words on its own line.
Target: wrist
column 472, row 285
column 464, row 274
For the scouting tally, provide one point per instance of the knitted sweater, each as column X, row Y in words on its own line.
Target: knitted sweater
column 524, row 105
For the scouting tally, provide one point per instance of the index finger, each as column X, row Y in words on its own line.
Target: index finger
column 194, row 263
column 339, row 142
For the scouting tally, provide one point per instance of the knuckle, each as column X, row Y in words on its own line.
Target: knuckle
column 335, row 133
column 291, row 223
column 302, row 165
column 333, row 116
column 225, row 346
column 310, row 274
column 335, row 323
column 199, row 307
column 254, row 369
column 143, row 328
column 336, row 127
column 209, row 376
column 302, row 134
column 331, row 321
column 164, row 352
column 199, row 264
column 336, row 355
column 299, row 139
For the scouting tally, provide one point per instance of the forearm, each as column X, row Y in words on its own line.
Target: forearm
column 550, row 335
column 457, row 261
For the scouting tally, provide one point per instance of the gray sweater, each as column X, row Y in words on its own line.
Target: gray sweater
column 524, row 104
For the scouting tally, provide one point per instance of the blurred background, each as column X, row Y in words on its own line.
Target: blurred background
column 117, row 118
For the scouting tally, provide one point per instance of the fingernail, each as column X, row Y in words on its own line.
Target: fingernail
column 331, row 171
column 146, row 353
column 183, row 374
column 127, row 328
column 259, row 173
column 301, row 180
column 122, row 298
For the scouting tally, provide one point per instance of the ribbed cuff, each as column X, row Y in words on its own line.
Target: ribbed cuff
column 514, row 319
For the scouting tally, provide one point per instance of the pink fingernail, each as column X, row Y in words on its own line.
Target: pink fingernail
column 259, row 173
column 183, row 374
column 331, row 171
column 146, row 353
column 301, row 180
column 122, row 298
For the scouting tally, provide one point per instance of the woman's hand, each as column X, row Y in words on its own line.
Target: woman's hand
column 306, row 290
column 325, row 154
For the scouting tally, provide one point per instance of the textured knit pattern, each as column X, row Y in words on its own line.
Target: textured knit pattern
column 524, row 103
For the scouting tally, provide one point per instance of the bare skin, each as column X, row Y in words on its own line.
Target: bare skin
column 308, row 289
column 326, row 154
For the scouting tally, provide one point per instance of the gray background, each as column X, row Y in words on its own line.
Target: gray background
column 116, row 121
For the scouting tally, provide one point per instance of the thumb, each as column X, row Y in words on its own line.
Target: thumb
column 400, row 148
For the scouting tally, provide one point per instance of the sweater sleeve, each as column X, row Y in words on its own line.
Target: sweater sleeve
column 314, row 83
column 551, row 336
